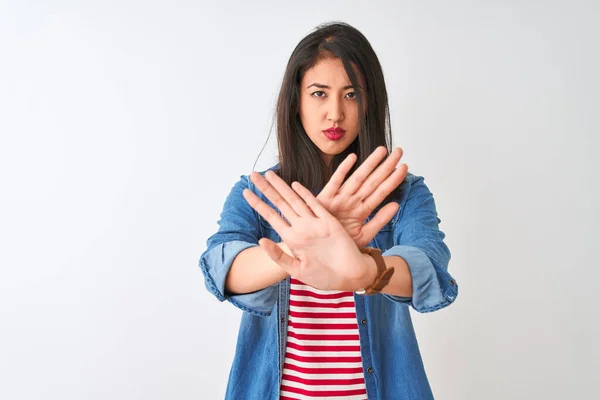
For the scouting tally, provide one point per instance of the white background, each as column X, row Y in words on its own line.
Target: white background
column 124, row 125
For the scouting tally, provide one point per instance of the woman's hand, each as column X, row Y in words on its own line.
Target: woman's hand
column 351, row 202
column 324, row 255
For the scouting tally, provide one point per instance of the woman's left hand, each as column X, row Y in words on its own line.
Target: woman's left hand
column 352, row 200
column 325, row 256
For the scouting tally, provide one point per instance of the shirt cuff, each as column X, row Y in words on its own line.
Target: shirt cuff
column 427, row 291
column 215, row 264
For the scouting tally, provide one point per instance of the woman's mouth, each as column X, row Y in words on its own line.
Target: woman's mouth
column 334, row 133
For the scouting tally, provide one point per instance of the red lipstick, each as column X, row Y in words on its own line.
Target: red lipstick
column 334, row 133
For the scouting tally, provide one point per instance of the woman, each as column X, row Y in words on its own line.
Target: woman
column 298, row 249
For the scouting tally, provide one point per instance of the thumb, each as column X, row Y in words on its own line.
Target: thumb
column 276, row 253
column 383, row 216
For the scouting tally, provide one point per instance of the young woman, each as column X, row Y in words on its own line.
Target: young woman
column 325, row 251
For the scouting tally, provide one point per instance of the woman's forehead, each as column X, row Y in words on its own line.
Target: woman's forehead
column 329, row 72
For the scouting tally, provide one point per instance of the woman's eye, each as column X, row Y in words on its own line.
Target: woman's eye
column 322, row 94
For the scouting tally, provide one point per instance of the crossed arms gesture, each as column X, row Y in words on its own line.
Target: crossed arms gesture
column 323, row 234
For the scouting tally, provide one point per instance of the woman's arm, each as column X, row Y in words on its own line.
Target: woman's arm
column 419, row 242
column 235, row 247
column 254, row 270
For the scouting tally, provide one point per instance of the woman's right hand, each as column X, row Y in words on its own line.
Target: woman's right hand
column 323, row 255
column 352, row 201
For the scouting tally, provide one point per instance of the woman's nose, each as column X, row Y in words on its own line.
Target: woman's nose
column 335, row 111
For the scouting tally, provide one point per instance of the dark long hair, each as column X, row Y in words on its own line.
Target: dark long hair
column 299, row 157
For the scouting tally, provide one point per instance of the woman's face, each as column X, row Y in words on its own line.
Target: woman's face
column 329, row 107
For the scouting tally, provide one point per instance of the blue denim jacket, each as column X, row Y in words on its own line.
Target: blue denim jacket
column 392, row 363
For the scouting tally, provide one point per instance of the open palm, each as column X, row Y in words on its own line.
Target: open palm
column 351, row 202
column 324, row 255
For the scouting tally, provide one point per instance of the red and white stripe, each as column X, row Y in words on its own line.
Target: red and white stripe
column 322, row 357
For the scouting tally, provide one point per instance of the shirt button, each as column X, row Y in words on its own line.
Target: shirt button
column 364, row 322
column 370, row 370
column 452, row 282
column 282, row 320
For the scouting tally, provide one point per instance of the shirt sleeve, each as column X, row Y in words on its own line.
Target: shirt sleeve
column 418, row 240
column 238, row 230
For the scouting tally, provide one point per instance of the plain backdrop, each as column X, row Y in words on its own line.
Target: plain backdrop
column 124, row 124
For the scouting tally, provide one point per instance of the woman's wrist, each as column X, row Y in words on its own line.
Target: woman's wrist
column 369, row 273
column 366, row 278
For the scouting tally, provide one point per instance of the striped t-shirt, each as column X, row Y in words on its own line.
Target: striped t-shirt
column 322, row 356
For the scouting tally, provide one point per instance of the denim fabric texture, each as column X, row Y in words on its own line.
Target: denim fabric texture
column 392, row 363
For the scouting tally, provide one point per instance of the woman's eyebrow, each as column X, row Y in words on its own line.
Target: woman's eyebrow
column 321, row 86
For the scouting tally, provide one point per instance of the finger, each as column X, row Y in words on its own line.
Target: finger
column 380, row 174
column 311, row 200
column 383, row 216
column 337, row 179
column 275, row 253
column 266, row 211
column 362, row 173
column 288, row 195
column 273, row 195
column 385, row 188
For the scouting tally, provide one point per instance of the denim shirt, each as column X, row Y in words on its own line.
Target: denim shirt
column 392, row 364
